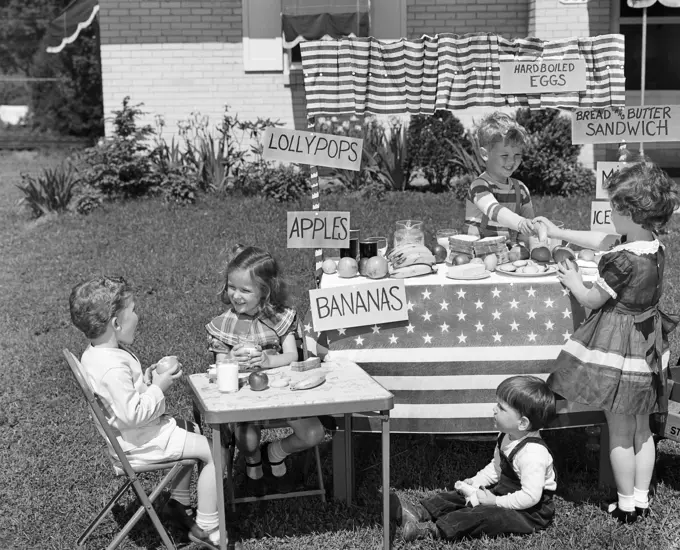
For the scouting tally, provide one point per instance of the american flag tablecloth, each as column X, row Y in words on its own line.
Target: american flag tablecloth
column 461, row 340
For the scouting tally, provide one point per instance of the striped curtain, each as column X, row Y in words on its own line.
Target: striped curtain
column 448, row 71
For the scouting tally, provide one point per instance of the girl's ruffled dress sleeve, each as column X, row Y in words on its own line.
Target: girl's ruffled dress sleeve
column 615, row 272
column 220, row 340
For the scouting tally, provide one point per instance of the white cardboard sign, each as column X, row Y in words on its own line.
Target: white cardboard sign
column 318, row 229
column 631, row 124
column 312, row 148
column 544, row 76
column 382, row 301
column 601, row 217
column 603, row 172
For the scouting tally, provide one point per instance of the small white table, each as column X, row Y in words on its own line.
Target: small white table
column 348, row 390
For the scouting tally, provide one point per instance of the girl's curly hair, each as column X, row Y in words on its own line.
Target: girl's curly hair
column 645, row 192
column 266, row 275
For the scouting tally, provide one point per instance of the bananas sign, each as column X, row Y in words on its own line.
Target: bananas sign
column 312, row 148
column 358, row 305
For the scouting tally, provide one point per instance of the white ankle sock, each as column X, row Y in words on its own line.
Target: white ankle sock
column 208, row 522
column 183, row 496
column 641, row 498
column 626, row 502
column 254, row 472
column 275, row 453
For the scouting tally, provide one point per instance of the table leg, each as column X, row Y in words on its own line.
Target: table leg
column 339, row 466
column 386, row 477
column 219, row 469
column 349, row 460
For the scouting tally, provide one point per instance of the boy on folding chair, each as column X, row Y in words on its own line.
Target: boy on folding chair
column 103, row 308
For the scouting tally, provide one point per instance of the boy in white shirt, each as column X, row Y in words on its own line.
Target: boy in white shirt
column 521, row 476
column 103, row 308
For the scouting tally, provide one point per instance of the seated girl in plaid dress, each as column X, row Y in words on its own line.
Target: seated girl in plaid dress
column 255, row 295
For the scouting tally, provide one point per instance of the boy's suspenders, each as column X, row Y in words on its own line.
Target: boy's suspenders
column 518, row 206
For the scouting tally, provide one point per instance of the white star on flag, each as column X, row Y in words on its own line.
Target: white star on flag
column 393, row 339
column 426, row 294
column 461, row 293
column 341, row 331
column 444, row 305
column 514, row 325
column 549, row 303
column 409, row 306
column 549, row 325
column 496, row 293
column 532, row 314
column 496, row 315
column 308, row 328
column 462, row 316
column 566, row 314
column 462, row 338
column 532, row 336
column 427, row 338
column 376, row 329
column 426, row 316
column 566, row 335
column 531, row 291
column 479, row 326
column 445, row 327
column 479, row 304
column 565, row 292
column 359, row 340
column 497, row 337
column 409, row 328
column 513, row 304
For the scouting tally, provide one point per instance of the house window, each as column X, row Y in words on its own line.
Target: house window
column 662, row 62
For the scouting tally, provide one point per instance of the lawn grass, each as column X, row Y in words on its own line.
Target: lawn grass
column 55, row 477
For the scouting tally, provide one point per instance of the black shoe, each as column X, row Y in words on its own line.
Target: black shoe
column 178, row 514
column 402, row 511
column 620, row 515
column 202, row 539
column 642, row 512
column 423, row 530
column 255, row 487
column 282, row 484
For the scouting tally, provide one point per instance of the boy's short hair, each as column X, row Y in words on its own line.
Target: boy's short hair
column 95, row 302
column 531, row 397
column 497, row 127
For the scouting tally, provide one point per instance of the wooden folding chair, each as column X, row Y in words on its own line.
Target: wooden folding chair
column 122, row 468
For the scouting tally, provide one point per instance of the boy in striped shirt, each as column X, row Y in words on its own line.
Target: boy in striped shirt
column 496, row 203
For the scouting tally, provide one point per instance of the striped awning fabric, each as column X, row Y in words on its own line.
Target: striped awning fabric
column 448, row 71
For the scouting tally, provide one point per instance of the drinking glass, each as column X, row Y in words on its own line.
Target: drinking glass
column 382, row 245
column 442, row 237
column 409, row 232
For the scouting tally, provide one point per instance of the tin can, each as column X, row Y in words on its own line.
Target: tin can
column 353, row 250
column 368, row 247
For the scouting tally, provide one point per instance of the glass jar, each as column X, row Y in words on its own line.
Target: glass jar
column 409, row 232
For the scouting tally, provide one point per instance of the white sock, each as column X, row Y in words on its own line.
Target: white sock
column 209, row 522
column 183, row 496
column 641, row 498
column 275, row 453
column 626, row 503
column 254, row 466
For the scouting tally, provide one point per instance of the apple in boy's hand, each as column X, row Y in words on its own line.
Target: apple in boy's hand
column 168, row 363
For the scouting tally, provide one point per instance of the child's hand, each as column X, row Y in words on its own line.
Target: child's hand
column 468, row 481
column 164, row 379
column 485, row 496
column 546, row 224
column 526, row 227
column 259, row 360
column 243, row 354
column 570, row 278
column 148, row 374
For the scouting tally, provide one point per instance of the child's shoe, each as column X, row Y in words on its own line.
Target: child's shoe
column 179, row 514
column 621, row 515
column 642, row 512
column 403, row 511
column 423, row 530
column 211, row 539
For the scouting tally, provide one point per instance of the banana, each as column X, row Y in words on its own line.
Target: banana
column 406, row 249
column 417, row 258
column 414, row 270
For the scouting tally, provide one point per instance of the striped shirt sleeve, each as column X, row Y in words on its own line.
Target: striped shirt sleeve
column 483, row 198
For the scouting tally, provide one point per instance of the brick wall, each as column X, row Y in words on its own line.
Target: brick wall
column 508, row 18
column 181, row 56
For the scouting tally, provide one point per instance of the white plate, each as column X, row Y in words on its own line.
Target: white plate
column 472, row 277
column 550, row 270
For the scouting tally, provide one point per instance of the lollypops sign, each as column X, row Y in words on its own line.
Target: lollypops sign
column 312, row 148
column 630, row 124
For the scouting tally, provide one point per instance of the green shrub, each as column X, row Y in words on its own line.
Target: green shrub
column 283, row 183
column 430, row 150
column 50, row 191
column 550, row 164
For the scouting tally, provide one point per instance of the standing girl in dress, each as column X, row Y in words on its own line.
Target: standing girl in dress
column 617, row 359
column 256, row 297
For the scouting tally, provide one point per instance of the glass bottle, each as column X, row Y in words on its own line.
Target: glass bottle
column 409, row 232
